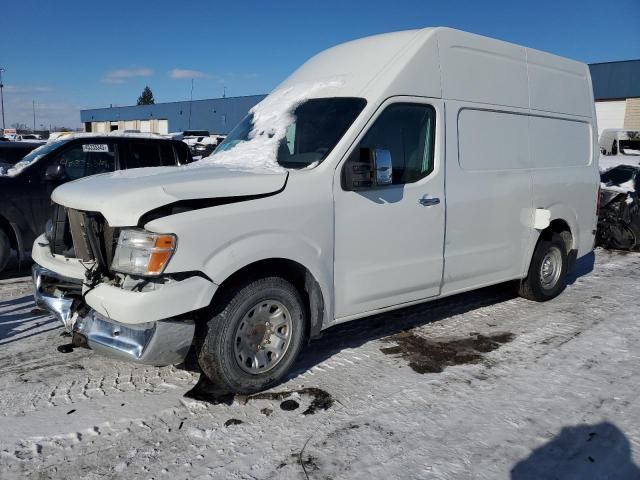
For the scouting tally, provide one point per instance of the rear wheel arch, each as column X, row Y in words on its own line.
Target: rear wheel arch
column 562, row 228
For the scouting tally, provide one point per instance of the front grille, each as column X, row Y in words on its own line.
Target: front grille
column 60, row 234
column 83, row 235
column 78, row 226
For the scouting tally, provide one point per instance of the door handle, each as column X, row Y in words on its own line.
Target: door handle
column 428, row 201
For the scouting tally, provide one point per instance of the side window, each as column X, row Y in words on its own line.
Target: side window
column 167, row 158
column 88, row 159
column 407, row 131
column 143, row 155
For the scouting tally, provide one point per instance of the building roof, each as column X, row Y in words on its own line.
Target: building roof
column 616, row 80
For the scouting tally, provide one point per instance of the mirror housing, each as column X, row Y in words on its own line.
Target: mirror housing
column 54, row 172
column 374, row 168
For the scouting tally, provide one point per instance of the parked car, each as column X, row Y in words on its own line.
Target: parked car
column 25, row 187
column 620, row 141
column 619, row 213
column 30, row 137
column 342, row 194
column 206, row 145
column 12, row 152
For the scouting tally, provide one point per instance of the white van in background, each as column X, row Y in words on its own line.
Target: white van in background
column 384, row 172
column 620, row 141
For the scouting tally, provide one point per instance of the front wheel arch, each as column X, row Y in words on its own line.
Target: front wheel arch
column 295, row 273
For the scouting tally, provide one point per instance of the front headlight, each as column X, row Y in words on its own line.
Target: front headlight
column 143, row 253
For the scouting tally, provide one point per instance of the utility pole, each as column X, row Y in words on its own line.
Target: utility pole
column 34, row 115
column 190, row 102
column 2, row 97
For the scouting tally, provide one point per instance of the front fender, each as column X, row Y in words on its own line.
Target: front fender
column 242, row 252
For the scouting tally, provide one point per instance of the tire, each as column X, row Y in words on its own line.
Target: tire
column 254, row 335
column 5, row 249
column 547, row 274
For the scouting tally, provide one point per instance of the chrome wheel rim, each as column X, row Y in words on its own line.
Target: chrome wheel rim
column 551, row 268
column 262, row 337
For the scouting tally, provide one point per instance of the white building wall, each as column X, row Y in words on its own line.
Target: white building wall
column 610, row 114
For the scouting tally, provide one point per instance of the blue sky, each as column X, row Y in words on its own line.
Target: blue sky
column 68, row 55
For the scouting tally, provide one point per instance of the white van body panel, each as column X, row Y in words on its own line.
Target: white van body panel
column 489, row 187
column 515, row 133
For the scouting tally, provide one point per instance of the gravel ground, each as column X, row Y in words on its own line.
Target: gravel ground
column 482, row 385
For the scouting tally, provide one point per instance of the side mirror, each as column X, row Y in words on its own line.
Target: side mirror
column 374, row 168
column 54, row 172
column 383, row 167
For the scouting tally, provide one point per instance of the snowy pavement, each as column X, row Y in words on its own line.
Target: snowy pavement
column 483, row 385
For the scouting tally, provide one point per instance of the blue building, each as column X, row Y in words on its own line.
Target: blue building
column 217, row 115
column 616, row 88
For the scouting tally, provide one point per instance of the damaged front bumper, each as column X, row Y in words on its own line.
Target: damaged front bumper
column 151, row 325
column 165, row 342
column 54, row 293
column 159, row 343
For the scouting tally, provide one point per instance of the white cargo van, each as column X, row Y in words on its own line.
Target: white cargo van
column 384, row 172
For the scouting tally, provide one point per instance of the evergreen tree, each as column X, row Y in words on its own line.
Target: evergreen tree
column 147, row 97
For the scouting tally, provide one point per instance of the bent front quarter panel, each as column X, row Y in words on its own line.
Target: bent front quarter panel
column 295, row 224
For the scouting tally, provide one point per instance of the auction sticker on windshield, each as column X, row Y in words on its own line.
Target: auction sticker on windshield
column 95, row 147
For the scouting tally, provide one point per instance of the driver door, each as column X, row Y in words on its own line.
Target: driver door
column 389, row 240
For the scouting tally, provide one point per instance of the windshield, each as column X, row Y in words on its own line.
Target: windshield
column 317, row 127
column 32, row 157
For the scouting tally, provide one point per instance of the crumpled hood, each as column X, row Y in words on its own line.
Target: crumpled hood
column 124, row 196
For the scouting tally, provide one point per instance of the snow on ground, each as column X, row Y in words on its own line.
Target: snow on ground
column 607, row 162
column 482, row 385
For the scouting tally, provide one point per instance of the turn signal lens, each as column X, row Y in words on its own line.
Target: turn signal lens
column 163, row 248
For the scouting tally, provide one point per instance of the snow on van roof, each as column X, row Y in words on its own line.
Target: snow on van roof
column 271, row 118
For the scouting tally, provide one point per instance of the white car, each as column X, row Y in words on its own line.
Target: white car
column 384, row 172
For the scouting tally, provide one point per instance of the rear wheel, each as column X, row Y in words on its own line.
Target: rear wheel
column 254, row 335
column 5, row 249
column 547, row 271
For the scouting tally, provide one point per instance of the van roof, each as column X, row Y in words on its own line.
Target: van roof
column 446, row 63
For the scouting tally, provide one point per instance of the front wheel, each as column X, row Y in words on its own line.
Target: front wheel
column 547, row 271
column 254, row 335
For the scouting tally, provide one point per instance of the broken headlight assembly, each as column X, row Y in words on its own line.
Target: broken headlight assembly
column 143, row 253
